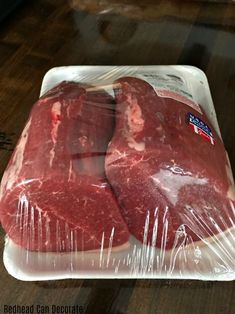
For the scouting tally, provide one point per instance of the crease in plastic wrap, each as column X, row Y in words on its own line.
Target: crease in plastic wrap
column 120, row 172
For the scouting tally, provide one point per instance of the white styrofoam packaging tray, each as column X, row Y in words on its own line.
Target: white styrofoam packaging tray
column 134, row 262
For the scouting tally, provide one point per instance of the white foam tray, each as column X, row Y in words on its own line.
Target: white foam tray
column 30, row 266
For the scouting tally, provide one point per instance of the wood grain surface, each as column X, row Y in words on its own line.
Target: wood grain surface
column 46, row 33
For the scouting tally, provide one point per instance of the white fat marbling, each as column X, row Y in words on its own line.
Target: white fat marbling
column 52, row 155
column 134, row 116
column 135, row 123
column 135, row 145
column 171, row 183
column 70, row 170
column 55, row 111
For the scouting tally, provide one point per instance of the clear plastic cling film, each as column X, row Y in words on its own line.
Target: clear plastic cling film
column 120, row 172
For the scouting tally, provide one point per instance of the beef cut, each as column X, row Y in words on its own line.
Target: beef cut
column 54, row 194
column 173, row 182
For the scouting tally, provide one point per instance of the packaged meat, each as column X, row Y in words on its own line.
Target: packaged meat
column 57, row 167
column 120, row 172
column 168, row 168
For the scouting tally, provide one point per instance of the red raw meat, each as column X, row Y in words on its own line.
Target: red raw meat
column 54, row 195
column 173, row 186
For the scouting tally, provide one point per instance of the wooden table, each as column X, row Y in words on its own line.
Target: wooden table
column 47, row 33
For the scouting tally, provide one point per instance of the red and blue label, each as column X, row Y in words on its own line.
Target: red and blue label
column 200, row 128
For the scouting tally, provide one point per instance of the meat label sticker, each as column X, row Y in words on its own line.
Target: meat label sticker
column 200, row 128
column 171, row 86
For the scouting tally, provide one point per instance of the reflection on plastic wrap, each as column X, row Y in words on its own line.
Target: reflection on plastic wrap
column 125, row 177
column 155, row 9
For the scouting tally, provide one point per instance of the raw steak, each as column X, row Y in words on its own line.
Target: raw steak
column 54, row 195
column 174, row 186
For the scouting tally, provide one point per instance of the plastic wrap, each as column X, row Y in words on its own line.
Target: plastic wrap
column 120, row 172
